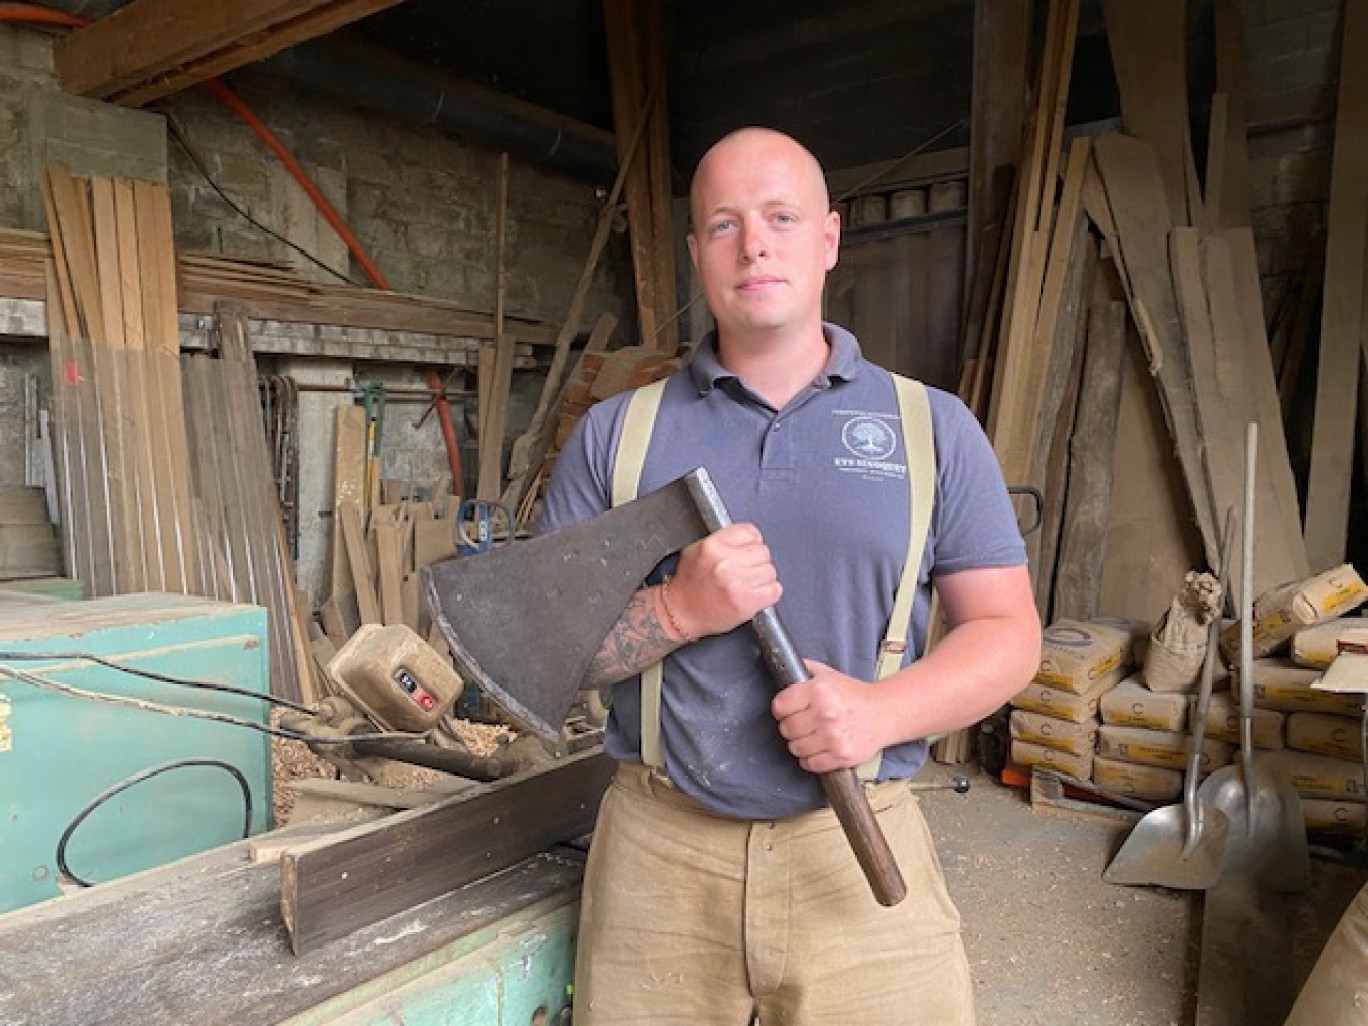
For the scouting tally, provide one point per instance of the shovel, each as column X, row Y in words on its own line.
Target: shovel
column 1267, row 833
column 1183, row 846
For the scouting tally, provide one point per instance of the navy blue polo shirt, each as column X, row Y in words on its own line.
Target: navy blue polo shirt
column 825, row 480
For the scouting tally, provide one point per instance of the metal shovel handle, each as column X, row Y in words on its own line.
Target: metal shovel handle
column 842, row 788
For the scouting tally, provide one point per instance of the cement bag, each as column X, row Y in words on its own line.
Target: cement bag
column 1326, row 816
column 1319, row 776
column 1075, row 655
column 1286, row 687
column 1162, row 748
column 1177, row 648
column 1148, row 783
column 1223, row 723
column 1340, row 737
column 1131, row 704
column 1337, row 990
column 1036, row 697
column 1317, row 646
column 1024, row 753
column 1053, row 732
column 1280, row 612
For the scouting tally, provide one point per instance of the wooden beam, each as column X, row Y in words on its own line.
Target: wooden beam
column 494, row 421
column 152, row 48
column 1135, row 191
column 1344, row 312
column 373, row 871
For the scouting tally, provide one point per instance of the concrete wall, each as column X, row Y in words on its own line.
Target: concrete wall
column 422, row 206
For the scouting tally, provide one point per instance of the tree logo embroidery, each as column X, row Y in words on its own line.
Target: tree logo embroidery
column 869, row 438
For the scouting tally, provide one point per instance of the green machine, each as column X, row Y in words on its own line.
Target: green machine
column 59, row 751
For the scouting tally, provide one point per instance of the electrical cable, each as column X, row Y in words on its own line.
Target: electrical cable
column 179, row 136
column 206, row 685
column 138, row 778
column 48, row 684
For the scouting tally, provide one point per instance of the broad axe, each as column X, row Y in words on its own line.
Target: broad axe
column 524, row 622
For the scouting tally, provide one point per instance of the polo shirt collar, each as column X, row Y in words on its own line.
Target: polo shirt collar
column 843, row 362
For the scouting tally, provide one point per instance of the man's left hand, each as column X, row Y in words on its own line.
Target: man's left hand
column 830, row 721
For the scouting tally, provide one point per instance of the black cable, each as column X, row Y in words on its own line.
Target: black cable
column 39, row 681
column 138, row 778
column 204, row 173
column 207, row 685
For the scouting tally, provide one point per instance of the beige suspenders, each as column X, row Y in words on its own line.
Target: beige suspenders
column 915, row 411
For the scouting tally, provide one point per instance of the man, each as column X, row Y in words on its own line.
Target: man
column 719, row 886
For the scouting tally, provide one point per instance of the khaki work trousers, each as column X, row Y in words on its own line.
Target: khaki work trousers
column 692, row 918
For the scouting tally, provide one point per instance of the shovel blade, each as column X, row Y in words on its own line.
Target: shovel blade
column 1157, row 854
column 524, row 621
column 1270, row 843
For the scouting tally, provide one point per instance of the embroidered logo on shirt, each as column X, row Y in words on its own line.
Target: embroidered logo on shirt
column 870, row 440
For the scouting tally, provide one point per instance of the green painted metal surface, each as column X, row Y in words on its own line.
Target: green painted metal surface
column 515, row 974
column 57, row 752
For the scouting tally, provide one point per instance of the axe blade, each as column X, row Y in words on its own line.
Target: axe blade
column 525, row 620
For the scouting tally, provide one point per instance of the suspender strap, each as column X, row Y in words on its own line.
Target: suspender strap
column 631, row 456
column 915, row 410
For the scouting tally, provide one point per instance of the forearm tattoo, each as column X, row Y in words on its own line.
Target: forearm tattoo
column 636, row 641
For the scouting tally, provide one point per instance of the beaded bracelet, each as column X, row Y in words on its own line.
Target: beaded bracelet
column 689, row 639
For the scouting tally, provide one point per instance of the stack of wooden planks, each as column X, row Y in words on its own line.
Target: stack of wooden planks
column 1129, row 350
column 275, row 292
column 165, row 481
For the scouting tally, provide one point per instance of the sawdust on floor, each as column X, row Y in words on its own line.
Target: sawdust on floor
column 1049, row 941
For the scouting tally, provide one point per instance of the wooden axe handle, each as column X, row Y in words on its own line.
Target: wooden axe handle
column 843, row 790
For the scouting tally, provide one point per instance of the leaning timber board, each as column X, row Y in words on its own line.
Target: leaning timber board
column 334, row 887
column 143, row 944
column 1135, row 190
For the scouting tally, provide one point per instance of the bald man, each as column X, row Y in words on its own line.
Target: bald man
column 719, row 887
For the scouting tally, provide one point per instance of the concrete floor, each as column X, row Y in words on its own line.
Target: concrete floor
column 1049, row 940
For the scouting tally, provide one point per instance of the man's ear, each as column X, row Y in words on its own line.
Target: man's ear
column 831, row 237
column 692, row 240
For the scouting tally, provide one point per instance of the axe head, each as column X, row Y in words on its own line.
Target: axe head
column 525, row 620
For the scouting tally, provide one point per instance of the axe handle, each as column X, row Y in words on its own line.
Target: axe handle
column 842, row 788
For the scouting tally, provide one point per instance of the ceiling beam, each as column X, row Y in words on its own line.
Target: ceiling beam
column 153, row 48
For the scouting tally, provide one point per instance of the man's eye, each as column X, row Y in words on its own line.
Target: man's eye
column 785, row 218
column 721, row 227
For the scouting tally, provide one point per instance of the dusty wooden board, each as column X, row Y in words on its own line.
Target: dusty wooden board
column 1227, row 176
column 1147, row 43
column 1034, row 212
column 1243, row 389
column 389, row 574
column 349, row 480
column 1083, row 536
column 1134, row 187
column 345, row 884
column 1344, row 312
column 997, row 119
column 1151, row 541
column 625, row 66
column 494, row 421
column 163, row 927
column 652, row 69
column 363, row 577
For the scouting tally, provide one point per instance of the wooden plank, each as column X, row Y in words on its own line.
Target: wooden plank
column 494, row 422
column 374, row 871
column 997, row 121
column 153, row 38
column 1135, row 191
column 1083, row 536
column 1344, row 312
column 658, row 173
column 1016, row 432
column 349, row 481
column 1034, row 212
column 363, row 579
column 1227, row 177
column 625, row 76
column 390, row 576
column 1147, row 43
column 1151, row 540
column 1245, row 376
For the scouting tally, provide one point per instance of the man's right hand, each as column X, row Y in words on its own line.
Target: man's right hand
column 723, row 581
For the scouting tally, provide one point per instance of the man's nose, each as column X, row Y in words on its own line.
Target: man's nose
column 754, row 240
